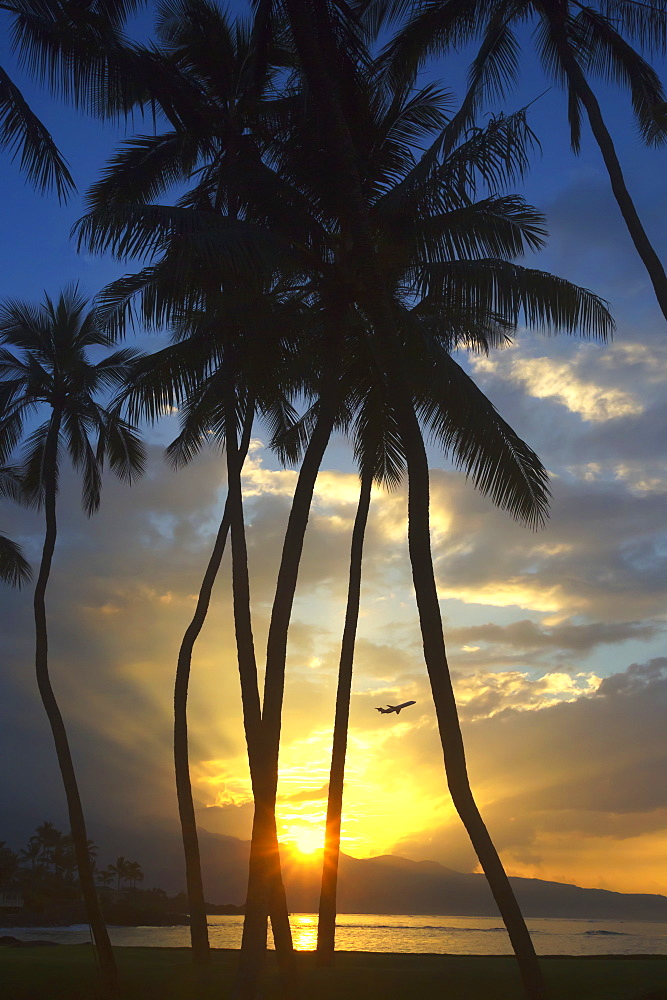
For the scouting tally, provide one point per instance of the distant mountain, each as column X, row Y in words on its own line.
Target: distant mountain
column 387, row 884
column 397, row 885
column 391, row 884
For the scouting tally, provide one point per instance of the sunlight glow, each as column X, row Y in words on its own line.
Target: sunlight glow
column 304, row 839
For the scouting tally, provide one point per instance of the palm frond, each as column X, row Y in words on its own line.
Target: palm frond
column 14, row 567
column 466, row 425
column 511, row 292
column 24, row 135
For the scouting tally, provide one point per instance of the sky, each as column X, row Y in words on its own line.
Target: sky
column 556, row 637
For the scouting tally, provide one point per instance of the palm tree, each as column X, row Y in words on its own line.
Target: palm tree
column 493, row 288
column 122, row 871
column 221, row 125
column 323, row 64
column 574, row 42
column 51, row 370
column 196, row 374
column 48, row 838
column 134, row 873
column 9, row 863
column 32, row 852
column 105, row 877
column 14, row 567
column 214, row 118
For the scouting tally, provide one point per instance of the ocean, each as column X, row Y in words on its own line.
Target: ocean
column 405, row 934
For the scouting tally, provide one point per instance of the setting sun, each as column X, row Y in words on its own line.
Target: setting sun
column 304, row 839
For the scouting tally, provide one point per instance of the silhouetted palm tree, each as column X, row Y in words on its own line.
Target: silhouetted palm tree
column 134, row 873
column 9, row 863
column 50, row 369
column 105, row 877
column 121, row 871
column 574, row 42
column 32, row 852
column 219, row 379
column 342, row 132
column 221, row 120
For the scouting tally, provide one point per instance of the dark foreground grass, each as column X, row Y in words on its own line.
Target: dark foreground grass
column 67, row 972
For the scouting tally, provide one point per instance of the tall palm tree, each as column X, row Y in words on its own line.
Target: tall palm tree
column 574, row 42
column 501, row 289
column 50, row 370
column 220, row 111
column 14, row 567
column 197, row 374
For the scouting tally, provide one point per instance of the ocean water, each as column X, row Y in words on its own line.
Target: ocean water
column 415, row 934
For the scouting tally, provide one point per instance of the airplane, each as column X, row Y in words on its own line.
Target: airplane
column 395, row 708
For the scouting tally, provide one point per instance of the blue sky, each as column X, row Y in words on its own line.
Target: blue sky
column 554, row 636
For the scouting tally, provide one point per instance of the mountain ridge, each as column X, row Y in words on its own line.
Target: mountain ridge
column 386, row 884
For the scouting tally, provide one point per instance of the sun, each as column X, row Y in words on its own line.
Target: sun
column 304, row 839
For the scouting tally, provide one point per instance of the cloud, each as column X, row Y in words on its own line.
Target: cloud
column 528, row 635
column 308, row 795
column 545, row 378
column 589, row 770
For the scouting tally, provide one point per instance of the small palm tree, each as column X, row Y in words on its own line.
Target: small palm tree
column 121, row 871
column 134, row 873
column 9, row 863
column 404, row 237
column 49, row 369
column 31, row 853
column 105, row 877
column 48, row 838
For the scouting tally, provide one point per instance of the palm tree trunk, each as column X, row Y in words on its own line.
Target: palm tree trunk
column 643, row 245
column 275, row 903
column 445, row 702
column 264, row 872
column 186, row 809
column 105, row 957
column 326, row 924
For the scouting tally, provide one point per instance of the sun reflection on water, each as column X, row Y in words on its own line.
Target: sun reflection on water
column 304, row 932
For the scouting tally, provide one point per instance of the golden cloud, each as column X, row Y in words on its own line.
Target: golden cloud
column 545, row 378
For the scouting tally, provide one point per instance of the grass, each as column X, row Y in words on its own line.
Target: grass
column 67, row 972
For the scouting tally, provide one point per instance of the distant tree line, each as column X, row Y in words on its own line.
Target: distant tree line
column 49, row 859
